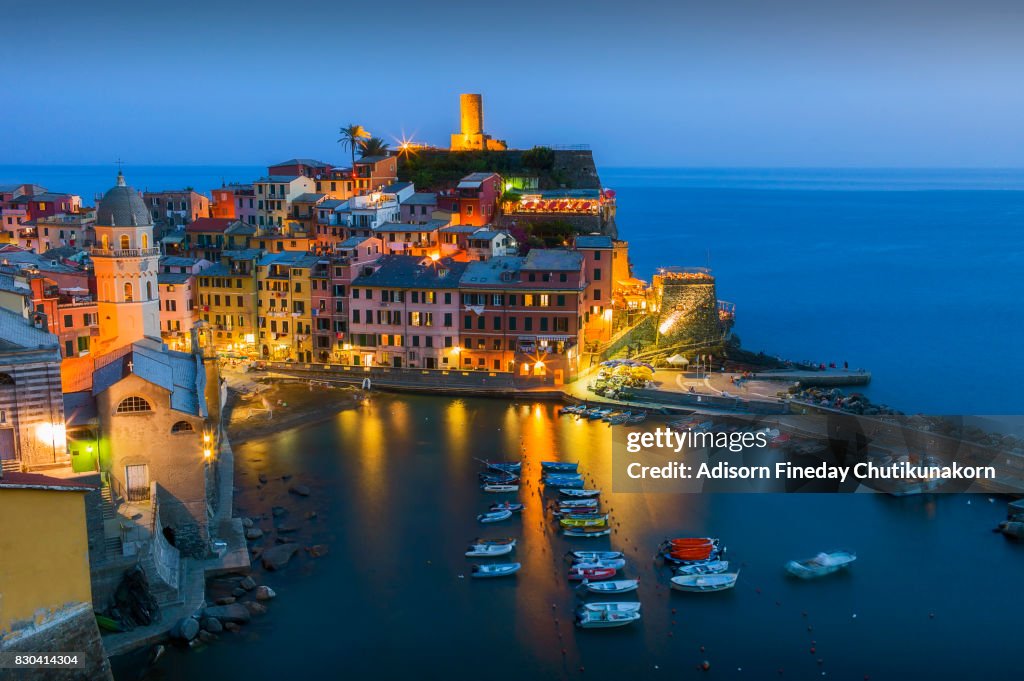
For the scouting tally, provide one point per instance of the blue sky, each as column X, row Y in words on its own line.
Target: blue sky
column 645, row 83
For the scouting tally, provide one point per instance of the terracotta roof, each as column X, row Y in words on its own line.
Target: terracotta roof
column 37, row 481
column 208, row 225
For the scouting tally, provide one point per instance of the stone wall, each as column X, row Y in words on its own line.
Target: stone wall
column 688, row 312
column 71, row 630
column 642, row 332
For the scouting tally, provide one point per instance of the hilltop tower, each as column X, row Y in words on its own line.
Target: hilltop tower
column 125, row 260
column 472, row 137
column 687, row 306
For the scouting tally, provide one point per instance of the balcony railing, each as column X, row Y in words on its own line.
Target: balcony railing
column 125, row 252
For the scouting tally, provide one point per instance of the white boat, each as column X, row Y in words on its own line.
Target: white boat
column 496, row 569
column 500, row 488
column 612, row 606
column 494, row 516
column 719, row 582
column 617, row 563
column 586, row 531
column 578, row 503
column 711, row 567
column 605, row 620
column 596, row 555
column 613, row 586
column 822, row 564
column 580, row 493
column 481, row 550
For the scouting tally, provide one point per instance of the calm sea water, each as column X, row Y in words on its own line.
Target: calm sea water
column 912, row 274
column 394, row 485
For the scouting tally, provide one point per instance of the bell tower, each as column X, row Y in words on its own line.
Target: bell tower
column 125, row 260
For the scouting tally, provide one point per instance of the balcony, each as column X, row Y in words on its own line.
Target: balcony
column 125, row 252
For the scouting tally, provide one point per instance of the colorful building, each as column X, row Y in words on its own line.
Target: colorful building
column 307, row 167
column 474, row 200
column 331, row 280
column 372, row 173
column 175, row 208
column 285, row 305
column 227, row 300
column 274, row 195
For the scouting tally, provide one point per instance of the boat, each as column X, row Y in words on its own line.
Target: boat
column 612, row 586
column 499, row 478
column 638, row 417
column 614, row 415
column 617, row 563
column 697, row 583
column 506, row 506
column 587, row 531
column 565, row 484
column 820, row 565
column 605, row 620
column 578, row 503
column 580, row 493
column 585, row 521
column 591, row 573
column 559, row 465
column 494, row 516
column 710, row 567
column 557, row 480
column 612, row 606
column 496, row 569
column 493, row 542
column 595, row 414
column 482, row 550
column 506, row 467
column 500, row 488
column 572, row 409
column 596, row 555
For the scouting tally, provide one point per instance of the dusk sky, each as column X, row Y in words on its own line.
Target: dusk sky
column 665, row 83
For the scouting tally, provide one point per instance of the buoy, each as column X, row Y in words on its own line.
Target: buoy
column 705, row 665
column 812, row 650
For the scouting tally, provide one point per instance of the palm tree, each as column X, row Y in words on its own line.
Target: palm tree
column 373, row 146
column 352, row 136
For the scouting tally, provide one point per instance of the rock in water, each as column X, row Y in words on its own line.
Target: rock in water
column 226, row 600
column 212, row 625
column 185, row 629
column 264, row 593
column 278, row 511
column 236, row 613
column 318, row 550
column 248, row 584
column 253, row 533
column 247, row 523
column 300, row 490
column 207, row 637
column 285, row 528
column 255, row 608
column 263, row 478
column 276, row 557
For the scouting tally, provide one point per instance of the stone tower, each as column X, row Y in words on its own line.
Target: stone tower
column 125, row 260
column 471, row 137
column 688, row 306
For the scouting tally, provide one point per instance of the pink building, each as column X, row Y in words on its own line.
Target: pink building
column 405, row 312
column 330, row 282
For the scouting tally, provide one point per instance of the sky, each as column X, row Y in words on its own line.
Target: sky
column 725, row 83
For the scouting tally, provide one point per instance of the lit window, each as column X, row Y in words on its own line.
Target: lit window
column 133, row 405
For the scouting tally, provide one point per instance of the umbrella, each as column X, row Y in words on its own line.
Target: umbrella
column 678, row 360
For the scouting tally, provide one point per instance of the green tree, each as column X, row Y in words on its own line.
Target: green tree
column 373, row 146
column 352, row 136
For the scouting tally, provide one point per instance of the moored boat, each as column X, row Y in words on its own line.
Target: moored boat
column 559, row 465
column 584, row 521
column 821, row 564
column 580, row 493
column 496, row 489
column 587, row 531
column 612, row 606
column 565, row 484
column 479, row 541
column 596, row 555
column 578, row 503
column 507, row 506
column 482, row 550
column 638, row 417
column 710, row 567
column 617, row 563
column 591, row 573
column 612, row 586
column 494, row 516
column 699, row 583
column 508, row 467
column 496, row 569
column 605, row 620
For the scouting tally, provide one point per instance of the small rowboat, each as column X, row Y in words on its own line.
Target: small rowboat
column 494, row 516
column 605, row 620
column 612, row 586
column 482, row 550
column 552, row 477
column 506, row 506
column 565, row 484
column 596, row 555
column 591, row 573
column 580, row 493
column 578, row 503
column 510, row 467
column 612, row 606
column 571, row 409
column 587, row 531
column 711, row 567
column 496, row 569
column 585, row 521
column 821, row 565
column 559, row 466
column 638, row 417
column 683, row 542
column 494, row 542
column 496, row 489
column 698, row 583
column 617, row 563
column 497, row 477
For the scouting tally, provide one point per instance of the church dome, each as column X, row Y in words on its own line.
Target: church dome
column 122, row 206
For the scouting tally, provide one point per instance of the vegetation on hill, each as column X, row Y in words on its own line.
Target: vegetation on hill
column 437, row 169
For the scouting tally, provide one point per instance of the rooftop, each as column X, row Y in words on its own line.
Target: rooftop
column 179, row 373
column 178, row 261
column 205, row 225
column 17, row 334
column 308, row 198
column 421, row 199
column 371, row 159
column 42, row 482
column 474, row 180
column 173, row 278
column 430, row 226
column 594, row 241
column 410, row 271
column 312, row 163
column 553, row 259
column 492, row 272
column 280, row 179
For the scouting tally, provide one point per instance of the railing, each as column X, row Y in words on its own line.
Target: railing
column 125, row 252
column 166, row 558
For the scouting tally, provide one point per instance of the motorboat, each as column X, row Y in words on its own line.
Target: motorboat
column 565, row 484
column 617, row 563
column 507, row 467
column 572, row 409
column 595, row 414
column 605, row 620
column 559, row 466
column 612, row 606
column 821, row 564
column 614, row 415
column 697, row 583
column 498, row 478
column 580, row 493
column 612, row 586
column 637, row 417
column 591, row 573
column 596, row 555
column 507, row 506
column 496, row 569
column 493, row 542
column 578, row 503
column 710, row 567
column 494, row 516
column 585, row 521
column 484, row 550
column 497, row 489
column 587, row 531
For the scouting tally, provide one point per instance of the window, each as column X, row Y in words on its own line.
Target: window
column 68, row 323
column 133, row 405
column 125, row 242
column 128, row 293
column 182, row 427
column 149, row 290
column 597, row 274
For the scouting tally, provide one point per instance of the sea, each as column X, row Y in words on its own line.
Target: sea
column 911, row 274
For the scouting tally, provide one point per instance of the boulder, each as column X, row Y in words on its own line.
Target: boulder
column 248, row 583
column 262, row 478
column 300, row 490
column 276, row 557
column 278, row 511
column 212, row 625
column 318, row 550
column 226, row 600
column 207, row 637
column 234, row 613
column 185, row 629
column 285, row 528
column 255, row 608
column 253, row 533
column 231, row 626
column 247, row 523
column 238, row 593
column 265, row 593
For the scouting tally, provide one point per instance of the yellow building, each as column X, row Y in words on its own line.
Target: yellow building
column 285, row 309
column 44, row 570
column 228, row 301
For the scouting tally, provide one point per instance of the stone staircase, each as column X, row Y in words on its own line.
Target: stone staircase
column 112, row 545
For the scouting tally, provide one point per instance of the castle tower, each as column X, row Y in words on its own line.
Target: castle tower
column 125, row 260
column 471, row 136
